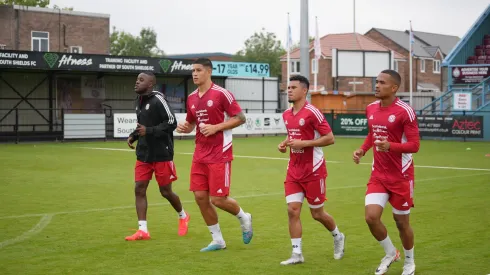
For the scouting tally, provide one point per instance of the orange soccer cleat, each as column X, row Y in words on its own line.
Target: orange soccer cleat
column 184, row 225
column 138, row 236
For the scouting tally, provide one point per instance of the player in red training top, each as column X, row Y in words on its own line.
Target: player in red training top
column 394, row 133
column 207, row 107
column 308, row 131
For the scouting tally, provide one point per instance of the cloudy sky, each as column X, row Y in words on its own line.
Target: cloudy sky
column 192, row 26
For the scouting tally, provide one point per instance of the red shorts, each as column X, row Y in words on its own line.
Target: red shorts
column 165, row 172
column 314, row 191
column 399, row 194
column 212, row 177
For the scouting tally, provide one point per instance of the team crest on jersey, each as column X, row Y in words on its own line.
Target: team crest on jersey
column 301, row 122
column 391, row 118
column 147, row 106
column 210, row 103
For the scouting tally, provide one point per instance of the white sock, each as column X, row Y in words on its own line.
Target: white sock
column 242, row 217
column 182, row 214
column 388, row 246
column 216, row 233
column 296, row 245
column 336, row 233
column 143, row 225
column 409, row 255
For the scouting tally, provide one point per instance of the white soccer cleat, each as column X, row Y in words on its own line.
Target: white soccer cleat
column 338, row 247
column 214, row 246
column 247, row 230
column 409, row 268
column 386, row 262
column 295, row 259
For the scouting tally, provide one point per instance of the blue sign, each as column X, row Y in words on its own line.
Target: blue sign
column 243, row 69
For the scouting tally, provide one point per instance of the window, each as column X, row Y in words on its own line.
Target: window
column 437, row 66
column 422, row 65
column 396, row 66
column 295, row 67
column 40, row 41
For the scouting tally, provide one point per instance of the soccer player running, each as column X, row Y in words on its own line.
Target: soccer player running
column 154, row 152
column 394, row 133
column 308, row 131
column 211, row 164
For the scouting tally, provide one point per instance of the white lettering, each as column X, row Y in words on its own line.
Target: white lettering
column 70, row 61
column 182, row 67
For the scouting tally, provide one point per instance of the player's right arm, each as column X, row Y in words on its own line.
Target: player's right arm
column 282, row 147
column 368, row 143
column 189, row 124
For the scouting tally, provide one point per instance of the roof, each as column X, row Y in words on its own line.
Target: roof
column 345, row 41
column 424, row 42
column 427, row 86
column 432, row 50
column 198, row 55
column 445, row 42
column 66, row 12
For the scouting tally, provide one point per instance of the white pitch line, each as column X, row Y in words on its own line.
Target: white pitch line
column 191, row 201
column 45, row 220
column 328, row 161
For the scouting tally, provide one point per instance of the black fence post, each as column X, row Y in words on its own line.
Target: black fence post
column 62, row 124
column 263, row 94
column 16, row 125
column 333, row 120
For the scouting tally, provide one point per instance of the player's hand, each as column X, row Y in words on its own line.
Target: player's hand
column 141, row 130
column 183, row 128
column 208, row 129
column 130, row 142
column 382, row 145
column 282, row 147
column 357, row 155
column 296, row 144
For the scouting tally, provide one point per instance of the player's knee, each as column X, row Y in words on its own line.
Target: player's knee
column 140, row 189
column 317, row 214
column 201, row 198
column 402, row 224
column 218, row 201
column 166, row 193
column 294, row 210
column 372, row 218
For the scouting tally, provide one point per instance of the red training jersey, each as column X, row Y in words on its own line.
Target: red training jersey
column 212, row 108
column 309, row 123
column 397, row 123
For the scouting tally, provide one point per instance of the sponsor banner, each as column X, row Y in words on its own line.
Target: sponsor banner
column 350, row 125
column 462, row 101
column 257, row 123
column 110, row 63
column 451, row 126
column 470, row 75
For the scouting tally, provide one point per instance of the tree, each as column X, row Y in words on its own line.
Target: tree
column 123, row 43
column 263, row 47
column 56, row 7
column 298, row 44
column 31, row 3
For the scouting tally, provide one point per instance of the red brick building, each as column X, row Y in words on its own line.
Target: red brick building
column 345, row 41
column 42, row 29
column 429, row 51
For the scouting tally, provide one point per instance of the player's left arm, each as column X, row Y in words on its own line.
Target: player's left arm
column 233, row 110
column 326, row 135
column 411, row 130
column 167, row 116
